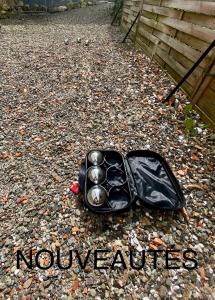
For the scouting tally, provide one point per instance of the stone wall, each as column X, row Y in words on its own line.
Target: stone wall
column 8, row 7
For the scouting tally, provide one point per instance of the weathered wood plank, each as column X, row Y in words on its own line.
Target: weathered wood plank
column 190, row 53
column 184, row 61
column 157, row 25
column 192, row 41
column 181, row 70
column 207, row 103
column 203, row 7
column 212, row 84
column 148, row 15
column 164, row 11
column 199, row 19
column 202, row 33
column 185, row 86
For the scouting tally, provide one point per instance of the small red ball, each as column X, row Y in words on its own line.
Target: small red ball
column 75, row 187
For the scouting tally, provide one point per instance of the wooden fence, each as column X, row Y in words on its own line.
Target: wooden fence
column 175, row 33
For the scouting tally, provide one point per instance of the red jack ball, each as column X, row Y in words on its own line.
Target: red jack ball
column 75, row 187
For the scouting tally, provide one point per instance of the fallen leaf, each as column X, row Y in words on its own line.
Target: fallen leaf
column 182, row 172
column 4, row 199
column 146, row 221
column 205, row 186
column 37, row 139
column 65, row 236
column 22, row 131
column 160, row 110
column 123, row 280
column 57, row 244
column 198, row 147
column 56, row 177
column 194, row 157
column 115, row 248
column 202, row 273
column 75, row 285
column 4, row 155
column 193, row 186
column 184, row 213
column 175, row 254
column 158, row 242
column 153, row 247
column 18, row 154
column 74, row 230
column 21, row 199
column 27, row 283
column 44, row 261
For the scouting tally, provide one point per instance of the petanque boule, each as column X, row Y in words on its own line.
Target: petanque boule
column 96, row 174
column 95, row 157
column 96, row 196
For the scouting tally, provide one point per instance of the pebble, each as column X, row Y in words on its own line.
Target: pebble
column 92, row 292
column 3, row 286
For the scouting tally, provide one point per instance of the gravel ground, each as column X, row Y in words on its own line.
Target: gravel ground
column 59, row 99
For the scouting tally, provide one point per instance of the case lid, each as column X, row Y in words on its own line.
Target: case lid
column 152, row 180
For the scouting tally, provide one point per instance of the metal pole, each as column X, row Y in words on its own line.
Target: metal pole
column 210, row 47
column 135, row 20
column 114, row 19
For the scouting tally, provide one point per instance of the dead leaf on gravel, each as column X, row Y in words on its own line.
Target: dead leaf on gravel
column 153, row 247
column 202, row 273
column 198, row 147
column 146, row 221
column 56, row 177
column 5, row 155
column 194, row 157
column 75, row 230
column 182, row 172
column 123, row 280
column 18, row 154
column 37, row 139
column 193, row 186
column 184, row 213
column 27, row 283
column 75, row 285
column 22, row 199
column 4, row 199
column 158, row 242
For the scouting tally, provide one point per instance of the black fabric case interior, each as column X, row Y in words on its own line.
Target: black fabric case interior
column 150, row 182
column 154, row 181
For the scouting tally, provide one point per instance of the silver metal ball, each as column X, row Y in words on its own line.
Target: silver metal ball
column 66, row 41
column 96, row 196
column 96, row 174
column 95, row 157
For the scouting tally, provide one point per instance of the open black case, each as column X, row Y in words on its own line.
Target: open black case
column 141, row 178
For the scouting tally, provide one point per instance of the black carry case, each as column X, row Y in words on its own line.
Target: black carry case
column 142, row 178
